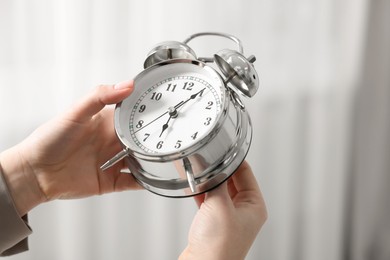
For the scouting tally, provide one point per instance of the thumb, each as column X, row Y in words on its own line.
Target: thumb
column 102, row 95
column 219, row 196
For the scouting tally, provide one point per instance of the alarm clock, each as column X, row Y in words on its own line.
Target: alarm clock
column 184, row 129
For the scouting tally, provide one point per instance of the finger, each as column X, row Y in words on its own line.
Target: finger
column 199, row 199
column 126, row 181
column 248, row 191
column 244, row 179
column 219, row 196
column 99, row 98
column 231, row 188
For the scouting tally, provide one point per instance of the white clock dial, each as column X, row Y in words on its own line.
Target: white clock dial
column 175, row 113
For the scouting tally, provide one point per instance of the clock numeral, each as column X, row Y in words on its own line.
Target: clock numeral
column 201, row 93
column 156, row 96
column 188, row 85
column 194, row 136
column 208, row 120
column 178, row 144
column 142, row 108
column 146, row 136
column 171, row 87
column 139, row 124
column 209, row 105
column 159, row 144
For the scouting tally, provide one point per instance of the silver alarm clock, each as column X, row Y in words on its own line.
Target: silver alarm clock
column 184, row 129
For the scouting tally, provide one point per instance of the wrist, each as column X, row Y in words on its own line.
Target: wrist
column 21, row 181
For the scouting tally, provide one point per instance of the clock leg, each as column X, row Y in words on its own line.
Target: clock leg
column 119, row 156
column 190, row 174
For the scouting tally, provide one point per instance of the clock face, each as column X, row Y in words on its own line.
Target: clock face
column 174, row 113
column 172, row 108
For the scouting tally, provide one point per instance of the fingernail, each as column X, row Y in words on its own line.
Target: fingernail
column 124, row 84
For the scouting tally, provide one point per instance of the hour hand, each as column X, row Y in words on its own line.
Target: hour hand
column 164, row 127
column 172, row 113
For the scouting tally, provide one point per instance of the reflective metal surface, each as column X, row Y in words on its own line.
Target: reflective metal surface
column 149, row 77
column 239, row 71
column 167, row 51
column 225, row 35
column 210, row 165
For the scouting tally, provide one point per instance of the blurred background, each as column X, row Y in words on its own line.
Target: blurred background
column 321, row 146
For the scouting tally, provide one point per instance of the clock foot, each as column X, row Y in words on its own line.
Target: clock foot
column 119, row 156
column 190, row 174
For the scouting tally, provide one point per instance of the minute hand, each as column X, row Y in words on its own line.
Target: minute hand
column 193, row 96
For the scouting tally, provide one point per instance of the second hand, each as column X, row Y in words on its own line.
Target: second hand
column 150, row 122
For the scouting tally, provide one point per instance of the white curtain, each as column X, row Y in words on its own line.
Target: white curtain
column 310, row 55
column 368, row 225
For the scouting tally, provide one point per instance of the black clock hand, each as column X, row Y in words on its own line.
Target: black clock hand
column 172, row 113
column 165, row 126
column 193, row 96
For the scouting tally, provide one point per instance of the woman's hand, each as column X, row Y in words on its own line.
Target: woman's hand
column 228, row 220
column 62, row 158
